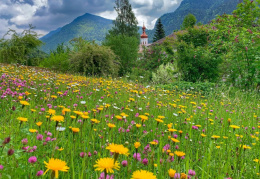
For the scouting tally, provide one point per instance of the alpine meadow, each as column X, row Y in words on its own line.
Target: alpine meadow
column 111, row 99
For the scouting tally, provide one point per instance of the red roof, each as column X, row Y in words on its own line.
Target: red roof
column 144, row 35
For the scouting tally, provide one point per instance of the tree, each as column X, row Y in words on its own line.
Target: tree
column 235, row 38
column 18, row 48
column 159, row 31
column 126, row 22
column 126, row 49
column 189, row 21
column 194, row 58
column 123, row 38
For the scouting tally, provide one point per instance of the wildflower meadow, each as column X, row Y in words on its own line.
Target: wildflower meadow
column 67, row 126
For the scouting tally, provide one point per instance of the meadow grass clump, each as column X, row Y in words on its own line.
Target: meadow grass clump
column 65, row 126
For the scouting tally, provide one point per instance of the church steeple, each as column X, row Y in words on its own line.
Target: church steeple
column 144, row 37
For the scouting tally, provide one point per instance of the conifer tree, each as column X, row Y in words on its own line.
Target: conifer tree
column 159, row 31
column 126, row 22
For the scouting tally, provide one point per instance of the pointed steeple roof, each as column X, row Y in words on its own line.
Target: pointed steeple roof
column 144, row 35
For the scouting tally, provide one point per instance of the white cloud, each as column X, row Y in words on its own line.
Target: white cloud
column 48, row 15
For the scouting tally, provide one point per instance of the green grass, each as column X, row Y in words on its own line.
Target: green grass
column 182, row 111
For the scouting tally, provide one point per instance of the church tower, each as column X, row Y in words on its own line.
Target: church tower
column 144, row 38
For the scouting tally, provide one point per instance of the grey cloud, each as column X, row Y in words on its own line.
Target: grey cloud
column 57, row 13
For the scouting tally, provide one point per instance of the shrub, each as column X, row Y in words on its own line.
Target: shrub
column 164, row 74
column 58, row 59
column 18, row 47
column 92, row 59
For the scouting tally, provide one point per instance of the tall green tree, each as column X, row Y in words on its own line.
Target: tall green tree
column 159, row 31
column 123, row 38
column 126, row 22
column 189, row 21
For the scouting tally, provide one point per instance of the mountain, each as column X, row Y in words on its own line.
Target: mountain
column 92, row 27
column 88, row 26
column 203, row 10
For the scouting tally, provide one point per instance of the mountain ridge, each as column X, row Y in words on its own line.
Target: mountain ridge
column 92, row 27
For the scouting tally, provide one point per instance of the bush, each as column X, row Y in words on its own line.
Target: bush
column 18, row 48
column 164, row 74
column 153, row 57
column 139, row 74
column 58, row 59
column 92, row 59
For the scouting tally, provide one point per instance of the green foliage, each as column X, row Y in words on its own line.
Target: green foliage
column 154, row 56
column 235, row 38
column 159, row 31
column 126, row 48
column 126, row 22
column 197, row 36
column 58, row 59
column 197, row 64
column 165, row 74
column 194, row 58
column 139, row 74
column 18, row 48
column 189, row 21
column 92, row 59
column 123, row 38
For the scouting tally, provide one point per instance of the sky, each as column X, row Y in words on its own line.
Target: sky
column 48, row 15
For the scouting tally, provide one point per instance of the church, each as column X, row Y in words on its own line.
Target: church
column 143, row 40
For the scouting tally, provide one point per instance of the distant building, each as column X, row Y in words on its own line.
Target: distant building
column 143, row 40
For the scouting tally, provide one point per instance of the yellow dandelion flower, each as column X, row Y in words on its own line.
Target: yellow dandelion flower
column 22, row 119
column 39, row 124
column 203, row 135
column 161, row 117
column 153, row 143
column 110, row 125
column 33, row 130
column 51, row 111
column 61, row 149
column 118, row 149
column 137, row 145
column 143, row 174
column 245, row 147
column 143, row 118
column 58, row 118
column 107, row 164
column 171, row 172
column 234, row 126
column 159, row 120
column 56, row 165
column 25, row 103
column 179, row 153
column 78, row 112
column 172, row 130
column 75, row 130
column 183, row 176
column 175, row 140
column 215, row 137
column 138, row 125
